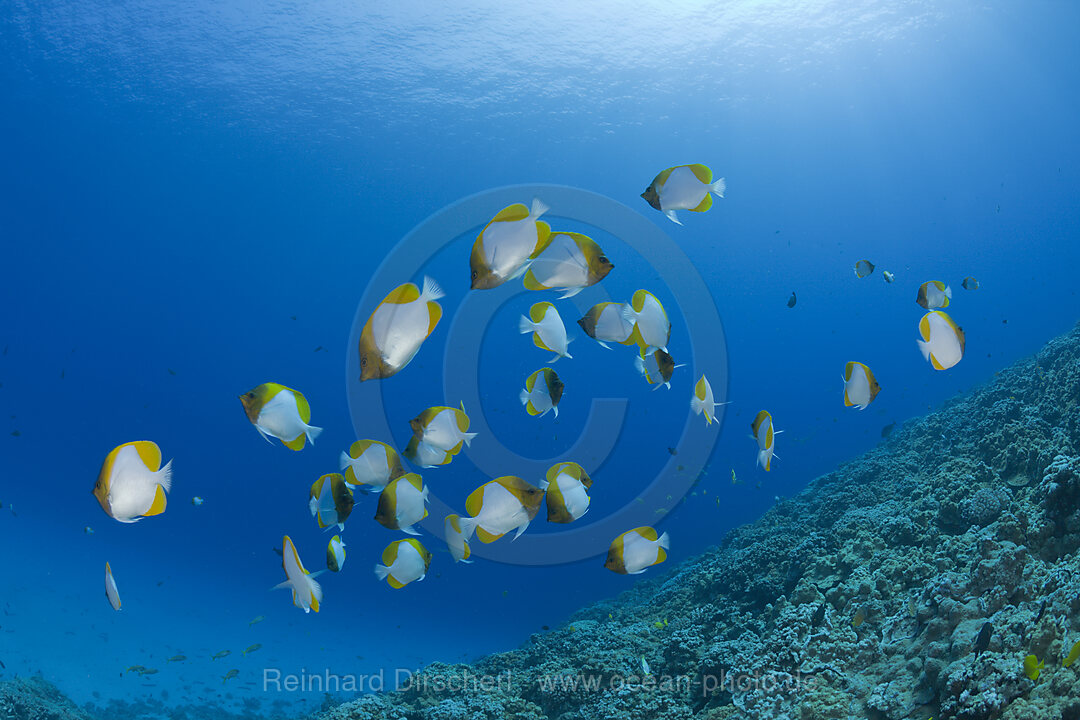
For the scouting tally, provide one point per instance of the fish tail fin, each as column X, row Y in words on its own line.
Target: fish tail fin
column 381, row 571
column 312, row 432
column 525, row 325
column 639, row 365
column 664, row 541
column 524, row 397
column 431, row 290
column 468, row 527
column 538, row 208
column 346, row 459
column 718, row 188
column 948, row 292
column 629, row 314
column 924, row 348
column 697, row 405
column 467, row 438
column 164, row 476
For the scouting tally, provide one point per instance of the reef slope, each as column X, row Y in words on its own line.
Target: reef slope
column 861, row 597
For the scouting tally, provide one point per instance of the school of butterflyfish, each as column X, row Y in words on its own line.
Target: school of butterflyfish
column 516, row 243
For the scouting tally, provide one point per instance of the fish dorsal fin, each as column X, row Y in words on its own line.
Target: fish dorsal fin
column 297, row 443
column 158, row 506
column 475, row 502
column 539, row 311
column 661, row 179
column 149, row 452
column 848, row 369
column 646, row 532
column 389, row 555
column 461, row 417
column 702, row 173
column 530, row 382
column 404, row 293
column 705, row 204
column 302, row 406
column 486, row 537
column 924, row 327
column 531, row 283
column 511, row 213
column 543, row 238
column 356, row 451
column 414, row 480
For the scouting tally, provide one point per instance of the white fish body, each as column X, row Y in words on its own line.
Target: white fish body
column 411, row 505
column 407, row 567
column 280, row 418
column 612, row 325
column 508, row 244
column 575, row 495
column 703, row 402
column 942, row 341
column 133, row 486
column 110, row 588
column 372, row 468
column 399, row 329
column 765, row 435
column 306, row 592
column 540, row 398
column 640, row 553
column 337, row 549
column 500, row 513
column 324, row 508
column 562, row 266
column 650, row 320
column 455, row 539
column 861, row 387
column 550, row 330
column 443, row 433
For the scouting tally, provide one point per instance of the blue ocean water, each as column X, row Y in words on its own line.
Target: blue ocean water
column 194, row 198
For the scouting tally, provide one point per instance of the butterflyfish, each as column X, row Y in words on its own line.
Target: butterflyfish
column 652, row 329
column 397, row 328
column 455, row 539
column 443, row 428
column 280, row 412
column 403, row 504
column 547, row 328
column 604, row 322
column 330, row 501
column 763, row 433
column 543, row 391
column 110, row 588
column 371, row 464
column 860, row 385
column 934, row 294
column 683, row 187
column 497, row 507
column 507, row 244
column 635, row 550
column 132, row 484
column 656, row 366
column 703, row 402
column 403, row 561
column 570, row 262
column 335, row 554
column 306, row 592
column 863, row 268
column 567, row 492
column 942, row 341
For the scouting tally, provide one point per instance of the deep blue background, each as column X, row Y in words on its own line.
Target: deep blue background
column 178, row 183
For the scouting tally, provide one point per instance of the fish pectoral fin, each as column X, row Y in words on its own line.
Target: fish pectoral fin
column 672, row 217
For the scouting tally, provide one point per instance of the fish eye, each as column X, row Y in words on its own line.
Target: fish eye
column 604, row 259
column 474, row 274
column 363, row 361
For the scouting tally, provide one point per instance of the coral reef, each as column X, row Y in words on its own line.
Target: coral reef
column 35, row 699
column 862, row 597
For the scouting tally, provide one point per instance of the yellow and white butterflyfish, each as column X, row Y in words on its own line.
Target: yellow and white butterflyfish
column 656, row 366
column 424, row 455
column 571, row 262
column 507, row 244
column 397, row 328
column 605, row 323
column 942, row 340
column 764, row 434
column 934, row 294
column 635, row 550
column 543, row 391
column 307, row 594
column 567, row 492
column 863, row 268
column 280, row 412
column 132, row 484
column 371, row 464
column 546, row 325
column 443, row 428
column 403, row 562
column 455, row 539
column 970, row 283
column 651, row 325
column 110, row 588
column 860, row 385
column 403, row 504
column 504, row 504
column 703, row 402
column 330, row 501
column 335, row 554
column 683, row 187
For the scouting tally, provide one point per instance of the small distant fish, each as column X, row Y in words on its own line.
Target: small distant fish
column 371, row 464
column 171, row 371
column 280, row 412
column 177, row 658
column 1032, row 666
column 277, row 550
column 863, row 268
column 645, row 669
column 860, row 385
column 656, row 367
column 88, row 530
column 652, row 328
column 132, row 484
column 1073, row 655
column 257, row 620
column 543, row 391
column 2, row 665
column 547, row 328
column 819, row 615
column 763, row 433
column 942, row 340
column 982, row 639
column 251, row 648
column 230, row 675
column 911, row 608
column 734, row 481
column 635, row 550
column 196, row 501
column 111, row 592
column 887, row 430
column 605, row 323
column 507, row 245
column 702, row 401
column 397, row 328
column 330, row 501
column 15, row 433
column 683, row 187
column 570, row 262
column 888, row 276
column 860, row 616
column 934, row 295
column 970, row 283
column 306, row 592
column 220, row 654
column 567, row 492
column 135, row 668
column 455, row 539
column 318, row 349
column 148, row 671
column 403, row 562
column 335, row 554
column 1042, row 609
column 403, row 504
column 792, row 300
column 497, row 507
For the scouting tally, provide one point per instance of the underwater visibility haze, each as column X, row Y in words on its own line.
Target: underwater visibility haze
column 240, row 237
